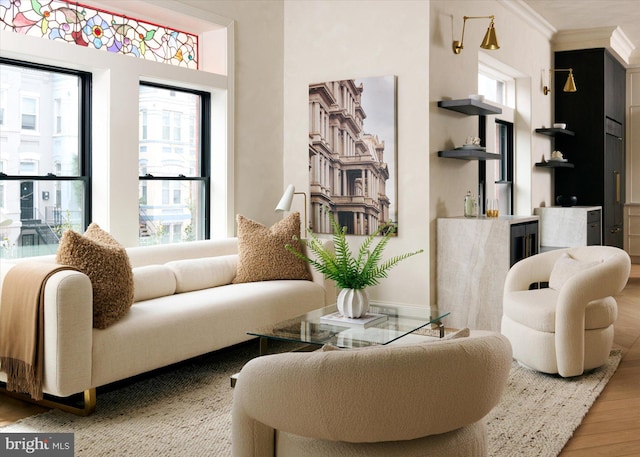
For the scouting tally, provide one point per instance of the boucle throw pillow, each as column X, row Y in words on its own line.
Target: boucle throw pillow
column 105, row 261
column 262, row 255
column 565, row 267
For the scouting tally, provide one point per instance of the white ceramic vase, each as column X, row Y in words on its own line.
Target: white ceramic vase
column 353, row 302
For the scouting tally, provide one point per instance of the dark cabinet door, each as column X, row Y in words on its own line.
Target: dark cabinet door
column 594, row 219
column 524, row 241
column 614, row 191
column 615, row 80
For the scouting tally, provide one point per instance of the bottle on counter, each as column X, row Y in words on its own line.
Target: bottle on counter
column 470, row 205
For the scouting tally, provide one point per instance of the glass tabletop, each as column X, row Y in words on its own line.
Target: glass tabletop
column 393, row 322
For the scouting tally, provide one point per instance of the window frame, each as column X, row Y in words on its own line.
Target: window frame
column 84, row 134
column 204, row 171
column 507, row 156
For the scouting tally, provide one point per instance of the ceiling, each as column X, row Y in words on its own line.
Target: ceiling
column 566, row 15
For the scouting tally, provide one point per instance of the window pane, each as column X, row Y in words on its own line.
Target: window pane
column 504, row 152
column 46, row 209
column 169, row 152
column 180, row 219
column 171, row 210
column 39, row 210
column 55, row 95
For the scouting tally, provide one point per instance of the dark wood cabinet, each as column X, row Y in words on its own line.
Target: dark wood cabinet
column 593, row 227
column 524, row 241
column 596, row 113
column 614, row 94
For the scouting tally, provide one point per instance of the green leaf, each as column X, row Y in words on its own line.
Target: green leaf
column 37, row 7
column 341, row 266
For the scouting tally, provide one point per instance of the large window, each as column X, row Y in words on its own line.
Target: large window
column 496, row 177
column 173, row 168
column 45, row 176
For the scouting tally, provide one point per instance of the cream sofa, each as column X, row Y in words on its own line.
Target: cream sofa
column 416, row 399
column 184, row 306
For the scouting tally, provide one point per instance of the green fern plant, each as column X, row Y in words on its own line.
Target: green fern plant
column 347, row 270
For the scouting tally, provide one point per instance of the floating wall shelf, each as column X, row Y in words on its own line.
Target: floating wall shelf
column 555, row 164
column 554, row 132
column 470, row 106
column 469, row 154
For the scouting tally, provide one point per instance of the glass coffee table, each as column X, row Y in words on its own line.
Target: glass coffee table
column 394, row 322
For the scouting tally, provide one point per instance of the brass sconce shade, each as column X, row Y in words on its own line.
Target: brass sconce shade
column 569, row 86
column 490, row 40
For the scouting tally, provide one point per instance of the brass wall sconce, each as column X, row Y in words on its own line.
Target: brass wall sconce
column 569, row 86
column 490, row 40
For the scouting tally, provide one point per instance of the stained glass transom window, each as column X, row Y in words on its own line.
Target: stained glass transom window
column 87, row 26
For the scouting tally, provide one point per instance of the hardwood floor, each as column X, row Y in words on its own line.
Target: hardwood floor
column 612, row 426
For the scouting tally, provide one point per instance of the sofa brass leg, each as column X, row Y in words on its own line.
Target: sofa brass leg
column 88, row 404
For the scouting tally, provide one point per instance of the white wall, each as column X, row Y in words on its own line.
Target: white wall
column 327, row 41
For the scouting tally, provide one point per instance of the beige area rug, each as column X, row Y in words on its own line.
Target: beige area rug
column 186, row 411
column 538, row 413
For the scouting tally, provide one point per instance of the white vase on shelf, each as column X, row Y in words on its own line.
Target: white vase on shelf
column 353, row 302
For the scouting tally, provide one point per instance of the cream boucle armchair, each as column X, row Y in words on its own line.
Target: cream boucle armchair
column 566, row 328
column 420, row 399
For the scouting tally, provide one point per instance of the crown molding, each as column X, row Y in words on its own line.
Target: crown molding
column 531, row 17
column 611, row 37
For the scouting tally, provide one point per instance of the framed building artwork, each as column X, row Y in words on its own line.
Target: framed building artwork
column 352, row 154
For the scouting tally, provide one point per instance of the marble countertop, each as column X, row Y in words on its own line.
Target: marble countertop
column 584, row 208
column 510, row 219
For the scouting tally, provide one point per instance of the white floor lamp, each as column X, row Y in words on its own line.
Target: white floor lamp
column 287, row 198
